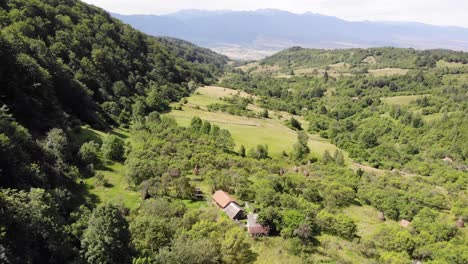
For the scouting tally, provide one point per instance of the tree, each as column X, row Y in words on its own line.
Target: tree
column 56, row 143
column 224, row 140
column 337, row 224
column 242, row 151
column 120, row 89
column 89, row 152
column 235, row 248
column 325, row 76
column 193, row 251
column 301, row 149
column 150, row 233
column 206, row 127
column 294, row 124
column 196, row 123
column 31, row 228
column 326, row 157
column 113, row 148
column 260, row 152
column 107, row 239
column 339, row 157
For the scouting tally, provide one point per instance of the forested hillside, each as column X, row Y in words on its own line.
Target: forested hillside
column 66, row 64
column 66, row 60
column 104, row 158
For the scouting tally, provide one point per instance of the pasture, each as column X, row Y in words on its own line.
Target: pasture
column 247, row 131
column 400, row 100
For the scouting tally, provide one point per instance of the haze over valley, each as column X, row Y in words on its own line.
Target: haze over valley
column 257, row 34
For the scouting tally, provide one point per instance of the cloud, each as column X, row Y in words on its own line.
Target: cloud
column 439, row 12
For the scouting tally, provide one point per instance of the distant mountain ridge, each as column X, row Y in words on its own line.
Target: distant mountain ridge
column 276, row 29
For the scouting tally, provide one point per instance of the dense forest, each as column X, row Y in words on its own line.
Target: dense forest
column 84, row 98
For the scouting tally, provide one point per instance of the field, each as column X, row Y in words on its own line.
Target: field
column 445, row 64
column 272, row 250
column 388, row 72
column 400, row 100
column 247, row 131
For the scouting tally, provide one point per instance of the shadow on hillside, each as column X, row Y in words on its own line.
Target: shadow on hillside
column 118, row 134
column 84, row 192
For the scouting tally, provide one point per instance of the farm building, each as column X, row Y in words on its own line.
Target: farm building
column 233, row 210
column 254, row 228
column 222, row 199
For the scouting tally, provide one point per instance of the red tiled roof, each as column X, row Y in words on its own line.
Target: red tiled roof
column 253, row 227
column 222, row 198
column 258, row 229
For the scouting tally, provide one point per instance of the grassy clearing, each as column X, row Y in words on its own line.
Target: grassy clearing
column 370, row 60
column 248, row 131
column 446, row 64
column 388, row 72
column 271, row 250
column 338, row 248
column 253, row 131
column 218, row 92
column 117, row 190
column 366, row 220
column 336, row 71
column 203, row 100
column 400, row 100
column 456, row 78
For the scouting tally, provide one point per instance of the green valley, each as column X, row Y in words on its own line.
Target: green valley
column 120, row 147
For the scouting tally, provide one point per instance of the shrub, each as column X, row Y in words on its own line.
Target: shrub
column 89, row 152
column 113, row 148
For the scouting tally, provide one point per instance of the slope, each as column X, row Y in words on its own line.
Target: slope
column 67, row 60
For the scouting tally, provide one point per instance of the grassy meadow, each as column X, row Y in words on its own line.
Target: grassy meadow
column 247, row 131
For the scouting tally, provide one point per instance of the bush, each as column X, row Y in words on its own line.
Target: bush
column 89, row 152
column 113, row 148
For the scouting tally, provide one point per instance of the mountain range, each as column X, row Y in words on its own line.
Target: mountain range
column 270, row 30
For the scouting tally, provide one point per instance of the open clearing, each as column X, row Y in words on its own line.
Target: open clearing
column 400, row 100
column 117, row 190
column 388, row 72
column 247, row 131
column 453, row 65
column 253, row 131
column 271, row 250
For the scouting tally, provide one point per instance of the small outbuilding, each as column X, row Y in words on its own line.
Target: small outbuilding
column 233, row 210
column 405, row 223
column 254, row 228
column 222, row 199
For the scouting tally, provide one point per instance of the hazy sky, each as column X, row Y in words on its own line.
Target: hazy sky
column 438, row 12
